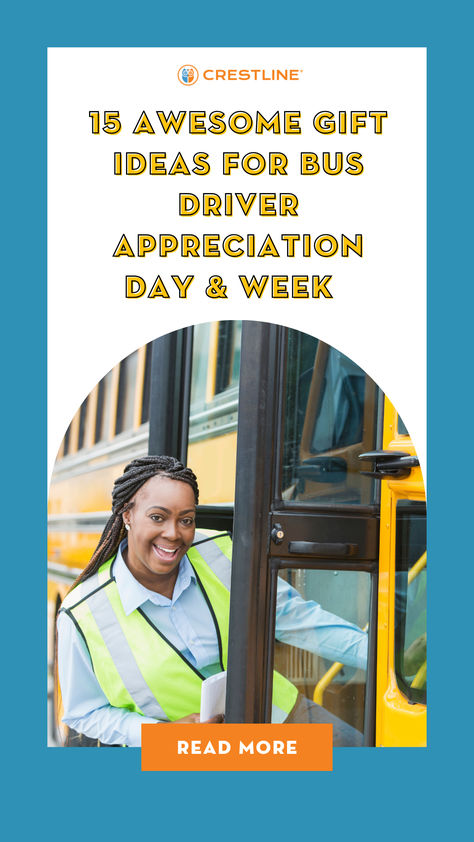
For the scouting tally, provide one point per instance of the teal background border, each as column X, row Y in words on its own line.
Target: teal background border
column 386, row 793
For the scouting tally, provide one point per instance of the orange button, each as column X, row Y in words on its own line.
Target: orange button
column 253, row 748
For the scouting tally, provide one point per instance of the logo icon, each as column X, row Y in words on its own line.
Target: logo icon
column 188, row 74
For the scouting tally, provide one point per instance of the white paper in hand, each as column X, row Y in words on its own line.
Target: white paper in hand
column 213, row 696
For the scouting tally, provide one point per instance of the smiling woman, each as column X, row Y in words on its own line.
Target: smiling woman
column 148, row 619
column 118, row 611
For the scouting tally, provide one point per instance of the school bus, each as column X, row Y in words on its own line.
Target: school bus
column 306, row 462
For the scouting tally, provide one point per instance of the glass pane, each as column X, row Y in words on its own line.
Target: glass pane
column 236, row 343
column 401, row 429
column 67, row 441
column 330, row 418
column 126, row 393
column 145, row 416
column 213, row 412
column 228, row 356
column 102, row 425
column 321, row 646
column 82, row 424
column 410, row 600
column 201, row 339
column 224, row 357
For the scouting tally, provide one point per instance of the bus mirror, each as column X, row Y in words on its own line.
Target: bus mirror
column 322, row 469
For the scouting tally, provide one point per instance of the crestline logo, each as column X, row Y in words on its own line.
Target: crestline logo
column 188, row 74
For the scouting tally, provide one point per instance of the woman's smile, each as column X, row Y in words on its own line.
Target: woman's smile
column 167, row 554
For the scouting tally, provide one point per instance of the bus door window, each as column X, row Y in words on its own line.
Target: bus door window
column 319, row 618
column 410, row 600
column 212, row 438
column 330, row 418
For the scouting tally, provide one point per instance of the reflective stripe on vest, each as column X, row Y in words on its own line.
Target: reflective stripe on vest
column 120, row 645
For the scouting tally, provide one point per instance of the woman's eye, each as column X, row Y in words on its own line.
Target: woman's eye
column 157, row 518
column 187, row 521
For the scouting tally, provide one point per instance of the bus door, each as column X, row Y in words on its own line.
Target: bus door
column 306, row 530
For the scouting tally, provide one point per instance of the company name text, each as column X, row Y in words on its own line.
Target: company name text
column 273, row 74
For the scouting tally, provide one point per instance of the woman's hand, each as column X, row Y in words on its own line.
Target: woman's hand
column 194, row 717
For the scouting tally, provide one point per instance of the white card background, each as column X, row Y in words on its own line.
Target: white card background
column 377, row 313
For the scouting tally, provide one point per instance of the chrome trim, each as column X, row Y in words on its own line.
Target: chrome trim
column 214, row 412
column 78, row 522
column 209, row 433
column 132, row 444
column 63, row 574
column 119, row 449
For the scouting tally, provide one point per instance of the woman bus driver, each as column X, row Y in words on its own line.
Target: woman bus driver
column 147, row 619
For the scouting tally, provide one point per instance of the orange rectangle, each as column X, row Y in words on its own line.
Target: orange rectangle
column 233, row 748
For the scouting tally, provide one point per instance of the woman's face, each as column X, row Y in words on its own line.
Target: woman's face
column 161, row 530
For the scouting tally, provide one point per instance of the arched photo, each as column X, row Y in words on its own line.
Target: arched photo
column 238, row 498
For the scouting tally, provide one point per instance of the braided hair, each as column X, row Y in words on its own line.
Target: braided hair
column 136, row 474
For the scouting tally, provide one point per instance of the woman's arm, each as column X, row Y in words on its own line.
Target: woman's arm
column 305, row 624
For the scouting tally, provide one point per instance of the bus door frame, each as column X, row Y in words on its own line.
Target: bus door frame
column 399, row 722
column 170, row 391
column 170, row 401
column 256, row 560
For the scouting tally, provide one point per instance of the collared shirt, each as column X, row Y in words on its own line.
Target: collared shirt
column 187, row 623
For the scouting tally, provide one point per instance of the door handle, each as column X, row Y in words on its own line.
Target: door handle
column 324, row 550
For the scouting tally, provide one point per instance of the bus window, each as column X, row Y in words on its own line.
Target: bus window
column 145, row 409
column 330, row 417
column 82, row 424
column 325, row 612
column 401, row 429
column 66, row 441
column 212, row 439
column 126, row 393
column 236, row 351
column 410, row 600
column 104, row 409
column 199, row 384
column 228, row 356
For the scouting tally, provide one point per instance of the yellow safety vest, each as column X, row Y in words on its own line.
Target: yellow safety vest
column 137, row 667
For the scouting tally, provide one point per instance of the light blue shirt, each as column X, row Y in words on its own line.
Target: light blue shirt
column 187, row 623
